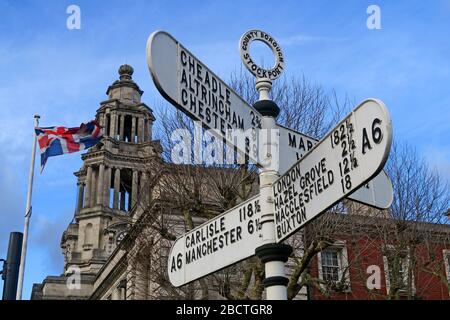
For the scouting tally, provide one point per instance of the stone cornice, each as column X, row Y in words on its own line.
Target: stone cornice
column 111, row 158
column 116, row 158
column 120, row 107
column 109, row 155
column 125, row 83
column 104, row 103
column 92, row 212
column 85, row 279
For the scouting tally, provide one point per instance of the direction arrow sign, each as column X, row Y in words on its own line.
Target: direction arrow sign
column 377, row 193
column 194, row 89
column 349, row 156
column 222, row 241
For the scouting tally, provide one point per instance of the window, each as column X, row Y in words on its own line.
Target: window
column 107, row 124
column 121, row 290
column 330, row 265
column 128, row 134
column 396, row 268
column 333, row 264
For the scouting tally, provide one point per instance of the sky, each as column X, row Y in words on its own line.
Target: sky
column 62, row 74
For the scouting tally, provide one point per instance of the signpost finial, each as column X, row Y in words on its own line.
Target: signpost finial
column 264, row 77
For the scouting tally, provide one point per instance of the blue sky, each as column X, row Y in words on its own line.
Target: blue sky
column 63, row 75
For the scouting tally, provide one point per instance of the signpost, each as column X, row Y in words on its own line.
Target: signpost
column 294, row 145
column 195, row 90
column 220, row 242
column 349, row 156
column 315, row 175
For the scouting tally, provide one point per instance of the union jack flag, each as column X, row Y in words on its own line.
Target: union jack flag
column 54, row 141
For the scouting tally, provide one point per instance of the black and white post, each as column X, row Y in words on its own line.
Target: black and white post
column 273, row 255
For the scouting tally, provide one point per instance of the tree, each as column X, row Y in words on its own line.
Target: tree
column 418, row 228
column 185, row 195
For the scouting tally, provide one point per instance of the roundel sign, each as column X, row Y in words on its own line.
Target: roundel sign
column 259, row 72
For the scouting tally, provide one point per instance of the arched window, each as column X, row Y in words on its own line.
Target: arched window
column 127, row 134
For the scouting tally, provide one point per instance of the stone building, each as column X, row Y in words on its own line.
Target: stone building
column 108, row 183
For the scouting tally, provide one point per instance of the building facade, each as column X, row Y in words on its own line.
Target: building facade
column 384, row 259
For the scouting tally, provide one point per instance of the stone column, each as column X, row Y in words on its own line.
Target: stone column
column 122, row 126
column 100, row 183
column 92, row 198
column 144, row 189
column 145, row 130
column 80, row 196
column 149, row 130
column 105, row 125
column 122, row 289
column 122, row 293
column 133, row 128
column 115, row 294
column 141, row 136
column 87, row 199
column 116, row 188
column 134, row 188
column 112, row 131
column 107, row 186
column 118, row 126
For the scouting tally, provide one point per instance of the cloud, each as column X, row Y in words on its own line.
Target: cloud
column 47, row 234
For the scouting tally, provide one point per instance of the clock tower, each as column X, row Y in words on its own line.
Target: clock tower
column 111, row 177
column 109, row 184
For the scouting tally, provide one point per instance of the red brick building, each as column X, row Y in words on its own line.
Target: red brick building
column 384, row 259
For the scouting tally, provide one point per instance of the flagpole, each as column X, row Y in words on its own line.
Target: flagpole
column 27, row 213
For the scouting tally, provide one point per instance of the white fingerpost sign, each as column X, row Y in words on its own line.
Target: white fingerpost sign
column 377, row 193
column 220, row 242
column 349, row 156
column 194, row 89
